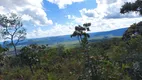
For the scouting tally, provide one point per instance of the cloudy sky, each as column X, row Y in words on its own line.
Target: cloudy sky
column 44, row 18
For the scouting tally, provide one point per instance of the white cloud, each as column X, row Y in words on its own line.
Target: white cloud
column 63, row 3
column 56, row 30
column 108, row 9
column 97, row 26
column 112, row 24
column 30, row 9
column 106, row 16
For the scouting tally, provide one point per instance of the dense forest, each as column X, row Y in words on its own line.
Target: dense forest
column 108, row 59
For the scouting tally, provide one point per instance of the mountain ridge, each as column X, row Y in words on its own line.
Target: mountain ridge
column 67, row 38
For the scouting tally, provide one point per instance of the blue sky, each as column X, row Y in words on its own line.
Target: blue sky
column 58, row 15
column 44, row 18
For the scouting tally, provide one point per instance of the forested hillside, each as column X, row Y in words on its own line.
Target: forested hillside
column 108, row 59
column 112, row 59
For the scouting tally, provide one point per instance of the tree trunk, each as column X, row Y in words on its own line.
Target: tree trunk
column 30, row 66
column 88, row 59
column 14, row 46
column 79, row 40
column 15, row 50
column 92, row 76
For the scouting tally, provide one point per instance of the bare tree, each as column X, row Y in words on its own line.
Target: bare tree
column 12, row 30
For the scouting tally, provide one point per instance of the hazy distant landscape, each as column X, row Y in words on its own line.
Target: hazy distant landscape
column 67, row 38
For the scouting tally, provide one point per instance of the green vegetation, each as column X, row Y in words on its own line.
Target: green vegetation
column 109, row 59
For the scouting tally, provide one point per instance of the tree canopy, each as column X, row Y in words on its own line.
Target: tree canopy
column 134, row 30
column 80, row 32
column 129, row 7
column 12, row 29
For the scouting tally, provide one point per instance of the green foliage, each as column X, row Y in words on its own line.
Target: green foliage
column 133, row 31
column 111, row 59
column 81, row 34
column 17, row 74
column 128, row 7
column 30, row 55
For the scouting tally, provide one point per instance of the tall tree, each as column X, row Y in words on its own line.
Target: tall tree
column 129, row 6
column 133, row 33
column 80, row 33
column 12, row 30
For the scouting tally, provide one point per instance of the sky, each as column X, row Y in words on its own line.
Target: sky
column 43, row 18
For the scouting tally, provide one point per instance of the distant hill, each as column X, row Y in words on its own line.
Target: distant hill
column 67, row 38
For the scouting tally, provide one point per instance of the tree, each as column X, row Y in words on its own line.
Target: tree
column 134, row 45
column 30, row 55
column 128, row 7
column 133, row 31
column 12, row 30
column 80, row 33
